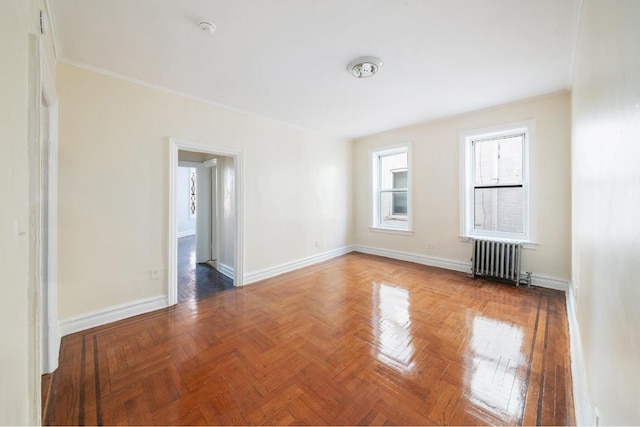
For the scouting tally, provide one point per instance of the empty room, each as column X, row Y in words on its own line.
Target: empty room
column 324, row 212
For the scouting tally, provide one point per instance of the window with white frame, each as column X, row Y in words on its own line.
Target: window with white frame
column 391, row 195
column 496, row 183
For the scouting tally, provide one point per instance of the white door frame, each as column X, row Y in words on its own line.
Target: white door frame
column 47, row 334
column 43, row 339
column 214, row 210
column 172, row 274
column 203, row 219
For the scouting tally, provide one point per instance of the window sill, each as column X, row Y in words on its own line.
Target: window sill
column 391, row 231
column 526, row 244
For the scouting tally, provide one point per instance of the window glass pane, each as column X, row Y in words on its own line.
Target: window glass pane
column 498, row 161
column 192, row 192
column 400, row 179
column 499, row 209
column 390, row 163
column 399, row 203
column 393, row 208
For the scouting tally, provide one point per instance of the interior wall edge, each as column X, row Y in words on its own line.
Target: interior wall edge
column 583, row 410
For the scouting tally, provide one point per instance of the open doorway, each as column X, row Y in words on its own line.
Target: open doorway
column 202, row 270
column 205, row 218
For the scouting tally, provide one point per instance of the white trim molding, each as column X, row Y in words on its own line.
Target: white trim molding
column 112, row 314
column 391, row 231
column 51, row 97
column 43, row 337
column 585, row 415
column 449, row 264
column 294, row 265
column 417, row 258
column 550, row 282
column 226, row 270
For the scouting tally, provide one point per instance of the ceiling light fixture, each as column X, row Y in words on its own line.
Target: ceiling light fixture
column 207, row 27
column 365, row 66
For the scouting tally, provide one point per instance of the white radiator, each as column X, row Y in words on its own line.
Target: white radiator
column 499, row 260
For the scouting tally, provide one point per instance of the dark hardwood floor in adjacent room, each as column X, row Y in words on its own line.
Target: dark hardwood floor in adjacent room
column 197, row 281
column 356, row 340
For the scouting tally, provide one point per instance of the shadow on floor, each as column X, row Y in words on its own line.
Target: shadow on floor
column 197, row 281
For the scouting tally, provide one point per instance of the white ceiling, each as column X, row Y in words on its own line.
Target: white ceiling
column 286, row 59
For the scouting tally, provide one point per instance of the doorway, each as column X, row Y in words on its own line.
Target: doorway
column 201, row 272
column 208, row 257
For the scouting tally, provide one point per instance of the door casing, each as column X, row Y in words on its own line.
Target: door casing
column 174, row 146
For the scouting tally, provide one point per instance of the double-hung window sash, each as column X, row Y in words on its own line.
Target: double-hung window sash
column 498, row 184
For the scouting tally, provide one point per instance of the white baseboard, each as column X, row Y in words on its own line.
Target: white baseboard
column 463, row 266
column 418, row 259
column 584, row 414
column 294, row 265
column 111, row 314
column 226, row 270
column 186, row 233
column 550, row 282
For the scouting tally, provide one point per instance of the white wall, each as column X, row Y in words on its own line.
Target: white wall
column 19, row 372
column 113, row 213
column 606, row 202
column 228, row 212
column 186, row 223
column 436, row 179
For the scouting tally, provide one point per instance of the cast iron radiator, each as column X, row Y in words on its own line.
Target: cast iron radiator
column 498, row 260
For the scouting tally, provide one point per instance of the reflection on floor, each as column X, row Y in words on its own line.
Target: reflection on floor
column 197, row 281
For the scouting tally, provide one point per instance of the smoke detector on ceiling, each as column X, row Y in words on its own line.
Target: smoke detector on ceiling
column 207, row 27
column 365, row 66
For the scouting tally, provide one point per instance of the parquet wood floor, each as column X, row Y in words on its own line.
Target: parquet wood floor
column 356, row 340
column 195, row 280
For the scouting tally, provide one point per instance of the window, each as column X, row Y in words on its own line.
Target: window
column 192, row 192
column 399, row 197
column 496, row 183
column 391, row 198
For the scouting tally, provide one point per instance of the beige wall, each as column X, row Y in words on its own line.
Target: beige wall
column 606, row 198
column 14, row 251
column 19, row 373
column 436, row 180
column 113, row 180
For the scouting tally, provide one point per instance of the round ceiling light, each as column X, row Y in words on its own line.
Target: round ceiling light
column 365, row 66
column 207, row 27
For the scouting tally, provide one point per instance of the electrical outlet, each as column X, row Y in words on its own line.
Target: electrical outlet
column 154, row 274
column 317, row 244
